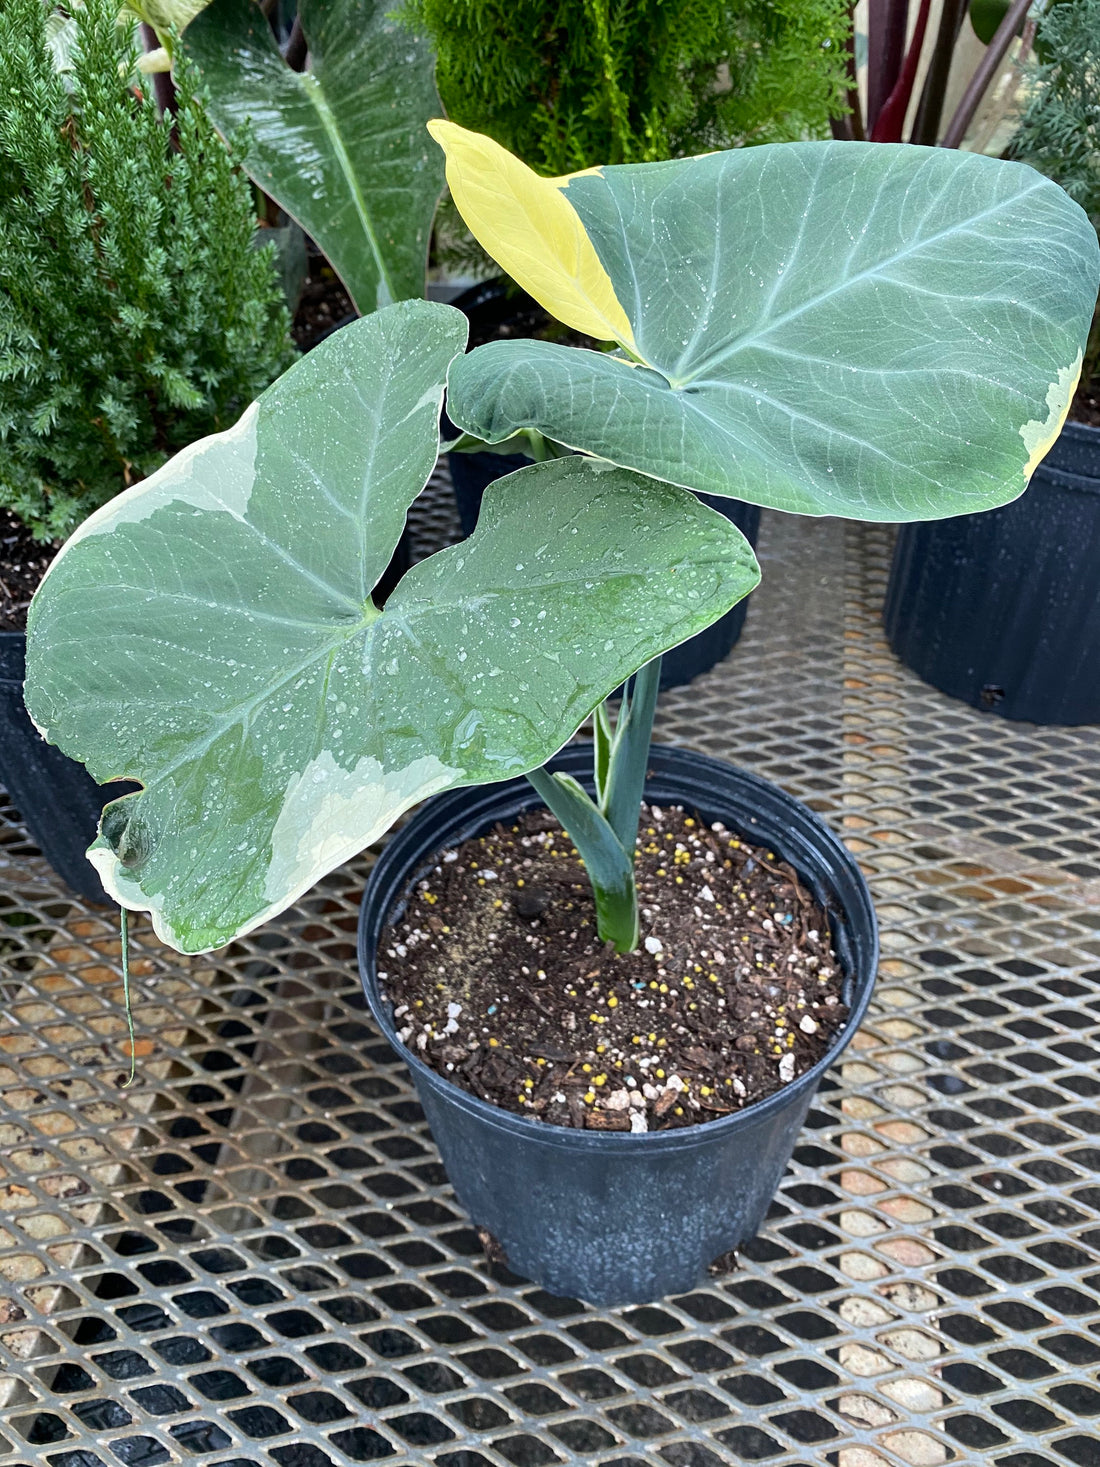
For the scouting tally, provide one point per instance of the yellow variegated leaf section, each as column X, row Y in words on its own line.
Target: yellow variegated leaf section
column 532, row 231
column 827, row 326
column 162, row 15
column 154, row 61
column 1039, row 437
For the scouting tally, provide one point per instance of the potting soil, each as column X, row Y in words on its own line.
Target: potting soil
column 23, row 563
column 500, row 982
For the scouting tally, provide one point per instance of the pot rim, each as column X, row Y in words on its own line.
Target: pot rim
column 1053, row 472
column 1073, row 429
column 13, row 657
column 669, row 761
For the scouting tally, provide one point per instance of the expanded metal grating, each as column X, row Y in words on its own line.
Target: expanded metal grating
column 252, row 1256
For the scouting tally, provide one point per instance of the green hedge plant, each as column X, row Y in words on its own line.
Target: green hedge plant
column 868, row 330
column 1059, row 132
column 136, row 315
column 568, row 84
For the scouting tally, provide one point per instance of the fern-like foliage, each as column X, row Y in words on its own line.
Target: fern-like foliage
column 569, row 84
column 136, row 315
column 1059, row 132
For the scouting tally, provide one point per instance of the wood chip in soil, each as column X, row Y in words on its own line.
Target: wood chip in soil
column 499, row 981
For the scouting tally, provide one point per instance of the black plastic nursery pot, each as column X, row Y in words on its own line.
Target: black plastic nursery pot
column 59, row 800
column 1001, row 609
column 489, row 306
column 610, row 1217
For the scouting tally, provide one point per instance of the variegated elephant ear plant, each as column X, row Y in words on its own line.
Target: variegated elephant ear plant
column 874, row 331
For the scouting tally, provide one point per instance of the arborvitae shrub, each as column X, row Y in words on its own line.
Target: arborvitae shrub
column 570, row 84
column 136, row 314
column 1059, row 132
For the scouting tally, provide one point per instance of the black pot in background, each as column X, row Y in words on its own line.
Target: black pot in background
column 57, row 798
column 608, row 1217
column 1002, row 609
column 495, row 313
column 471, row 475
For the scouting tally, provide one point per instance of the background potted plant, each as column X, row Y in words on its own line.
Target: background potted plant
column 135, row 316
column 1001, row 610
column 567, row 86
column 285, row 720
column 335, row 130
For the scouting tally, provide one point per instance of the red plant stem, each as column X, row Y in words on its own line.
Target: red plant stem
column 164, row 88
column 886, row 26
column 850, row 128
column 891, row 118
column 1027, row 39
column 926, row 124
column 984, row 74
column 296, row 47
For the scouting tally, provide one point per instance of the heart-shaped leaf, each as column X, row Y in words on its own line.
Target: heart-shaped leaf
column 211, row 633
column 343, row 147
column 877, row 331
column 187, row 634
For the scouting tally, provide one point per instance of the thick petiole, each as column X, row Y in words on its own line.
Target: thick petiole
column 605, row 829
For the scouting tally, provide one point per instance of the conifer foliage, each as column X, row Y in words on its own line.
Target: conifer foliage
column 568, row 84
column 135, row 313
column 1059, row 132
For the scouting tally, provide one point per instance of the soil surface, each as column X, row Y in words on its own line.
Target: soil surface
column 23, row 563
column 500, row 983
column 1085, row 407
column 323, row 304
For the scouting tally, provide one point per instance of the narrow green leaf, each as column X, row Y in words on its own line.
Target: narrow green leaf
column 603, row 734
column 622, row 794
column 343, row 147
column 878, row 331
column 610, row 868
column 211, row 633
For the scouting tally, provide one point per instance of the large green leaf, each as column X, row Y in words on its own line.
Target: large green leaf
column 211, row 633
column 883, row 332
column 342, row 148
